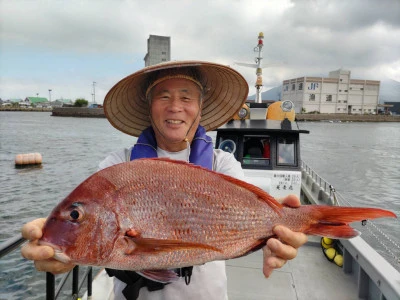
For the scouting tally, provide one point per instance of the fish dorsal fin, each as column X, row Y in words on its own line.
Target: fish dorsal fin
column 264, row 196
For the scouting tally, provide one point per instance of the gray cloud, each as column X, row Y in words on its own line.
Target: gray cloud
column 344, row 15
column 312, row 37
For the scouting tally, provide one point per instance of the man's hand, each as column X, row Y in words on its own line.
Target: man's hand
column 41, row 255
column 284, row 247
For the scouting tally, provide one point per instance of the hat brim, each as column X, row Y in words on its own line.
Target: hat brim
column 127, row 109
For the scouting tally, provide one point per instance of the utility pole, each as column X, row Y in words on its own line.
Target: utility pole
column 94, row 92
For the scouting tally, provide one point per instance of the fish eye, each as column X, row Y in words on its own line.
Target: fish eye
column 74, row 214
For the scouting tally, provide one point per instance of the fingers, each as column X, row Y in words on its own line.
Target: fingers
column 271, row 260
column 289, row 237
column 33, row 230
column 290, row 200
column 53, row 266
column 278, row 251
column 33, row 251
column 41, row 255
column 281, row 250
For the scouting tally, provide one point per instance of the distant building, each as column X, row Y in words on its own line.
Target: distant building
column 337, row 93
column 158, row 50
column 37, row 101
column 24, row 103
column 61, row 102
column 14, row 100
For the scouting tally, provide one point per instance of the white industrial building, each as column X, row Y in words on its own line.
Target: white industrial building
column 158, row 50
column 337, row 93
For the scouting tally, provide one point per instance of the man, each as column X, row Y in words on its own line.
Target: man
column 169, row 107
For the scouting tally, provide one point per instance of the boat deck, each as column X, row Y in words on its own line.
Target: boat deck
column 309, row 276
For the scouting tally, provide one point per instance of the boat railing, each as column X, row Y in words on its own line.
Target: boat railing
column 318, row 179
column 52, row 293
column 317, row 188
column 374, row 274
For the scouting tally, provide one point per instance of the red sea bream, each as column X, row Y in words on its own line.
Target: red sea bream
column 153, row 214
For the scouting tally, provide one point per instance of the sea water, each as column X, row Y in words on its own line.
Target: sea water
column 361, row 160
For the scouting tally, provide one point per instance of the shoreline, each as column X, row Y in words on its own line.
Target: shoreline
column 346, row 118
column 84, row 112
column 78, row 112
column 11, row 109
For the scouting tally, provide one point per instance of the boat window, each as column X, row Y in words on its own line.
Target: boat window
column 286, row 151
column 256, row 151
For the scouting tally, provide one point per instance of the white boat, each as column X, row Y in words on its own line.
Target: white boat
column 258, row 143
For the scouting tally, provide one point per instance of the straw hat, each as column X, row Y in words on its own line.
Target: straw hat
column 225, row 91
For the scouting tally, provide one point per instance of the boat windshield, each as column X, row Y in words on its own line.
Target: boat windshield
column 286, row 151
column 256, row 151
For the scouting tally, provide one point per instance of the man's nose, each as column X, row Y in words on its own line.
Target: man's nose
column 175, row 103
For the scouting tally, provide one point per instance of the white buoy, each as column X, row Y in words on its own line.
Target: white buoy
column 28, row 159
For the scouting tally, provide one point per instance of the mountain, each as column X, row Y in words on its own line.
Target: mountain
column 389, row 92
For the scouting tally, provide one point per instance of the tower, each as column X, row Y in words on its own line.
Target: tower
column 158, row 50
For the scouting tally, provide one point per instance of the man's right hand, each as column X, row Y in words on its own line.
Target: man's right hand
column 41, row 255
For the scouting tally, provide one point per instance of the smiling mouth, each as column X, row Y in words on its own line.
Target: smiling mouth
column 174, row 121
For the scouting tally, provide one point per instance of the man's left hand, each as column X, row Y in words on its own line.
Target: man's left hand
column 283, row 248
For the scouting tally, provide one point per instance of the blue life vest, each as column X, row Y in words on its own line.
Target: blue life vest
column 201, row 148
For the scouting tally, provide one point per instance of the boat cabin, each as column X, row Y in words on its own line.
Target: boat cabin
column 266, row 140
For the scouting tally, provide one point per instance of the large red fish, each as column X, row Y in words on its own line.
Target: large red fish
column 152, row 214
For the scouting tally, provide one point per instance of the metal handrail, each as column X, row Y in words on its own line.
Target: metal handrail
column 317, row 178
column 13, row 243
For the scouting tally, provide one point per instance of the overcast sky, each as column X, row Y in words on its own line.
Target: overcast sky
column 67, row 45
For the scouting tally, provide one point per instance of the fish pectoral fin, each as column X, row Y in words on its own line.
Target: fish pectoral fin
column 163, row 276
column 135, row 245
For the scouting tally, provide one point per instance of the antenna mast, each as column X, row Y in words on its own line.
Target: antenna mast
column 258, row 59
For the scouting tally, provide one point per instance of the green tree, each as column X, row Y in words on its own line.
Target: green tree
column 81, row 103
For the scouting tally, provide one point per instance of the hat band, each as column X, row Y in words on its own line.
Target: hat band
column 172, row 77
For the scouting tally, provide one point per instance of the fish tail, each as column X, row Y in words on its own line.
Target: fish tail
column 333, row 221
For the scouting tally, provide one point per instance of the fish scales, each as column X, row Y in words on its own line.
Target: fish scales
column 160, row 214
column 191, row 201
column 190, row 205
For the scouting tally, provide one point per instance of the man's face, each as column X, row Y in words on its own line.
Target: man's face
column 175, row 110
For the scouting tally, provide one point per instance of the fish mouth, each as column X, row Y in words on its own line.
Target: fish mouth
column 58, row 252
